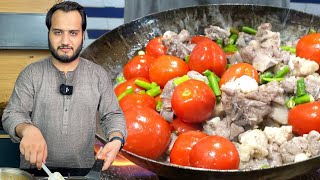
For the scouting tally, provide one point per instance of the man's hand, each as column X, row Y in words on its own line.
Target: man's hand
column 32, row 146
column 110, row 151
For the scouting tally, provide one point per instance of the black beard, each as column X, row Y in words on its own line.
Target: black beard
column 64, row 59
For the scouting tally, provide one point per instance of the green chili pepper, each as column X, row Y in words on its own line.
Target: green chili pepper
column 301, row 87
column 249, row 30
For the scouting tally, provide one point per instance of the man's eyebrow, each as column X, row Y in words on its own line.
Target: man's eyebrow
column 56, row 29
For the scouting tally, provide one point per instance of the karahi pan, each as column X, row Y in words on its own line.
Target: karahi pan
column 117, row 47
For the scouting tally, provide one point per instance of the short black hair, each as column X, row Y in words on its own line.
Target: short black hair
column 67, row 6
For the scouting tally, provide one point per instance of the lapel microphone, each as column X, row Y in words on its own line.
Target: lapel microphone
column 65, row 89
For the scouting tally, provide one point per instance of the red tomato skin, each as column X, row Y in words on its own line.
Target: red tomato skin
column 214, row 152
column 305, row 117
column 156, row 48
column 208, row 55
column 197, row 39
column 180, row 126
column 309, row 47
column 193, row 101
column 137, row 100
column 138, row 66
column 128, row 84
column 165, row 68
column 148, row 132
column 181, row 149
column 238, row 70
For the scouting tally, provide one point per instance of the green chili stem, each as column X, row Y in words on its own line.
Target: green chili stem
column 290, row 103
column 126, row 92
column 180, row 80
column 154, row 91
column 230, row 48
column 120, row 79
column 304, row 99
column 288, row 48
column 232, row 39
column 144, row 84
column 281, row 73
column 213, row 82
column 249, row 30
column 265, row 75
column 142, row 92
column 311, row 30
column 219, row 42
column 234, row 30
column 301, row 87
column 159, row 105
column 272, row 79
column 186, row 58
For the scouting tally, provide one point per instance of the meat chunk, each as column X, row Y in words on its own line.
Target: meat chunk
column 278, row 135
column 235, row 58
column 279, row 113
column 244, row 39
column 198, row 76
column 215, row 32
column 166, row 109
column 290, row 149
column 264, row 50
column 243, row 111
column 270, row 92
column 223, row 128
column 254, row 143
column 312, row 85
column 289, row 84
column 314, row 143
column 244, row 84
column 301, row 66
column 274, row 156
column 178, row 44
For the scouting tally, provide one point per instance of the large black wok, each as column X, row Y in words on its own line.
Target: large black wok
column 115, row 48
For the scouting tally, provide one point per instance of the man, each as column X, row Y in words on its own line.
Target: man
column 52, row 110
column 138, row 8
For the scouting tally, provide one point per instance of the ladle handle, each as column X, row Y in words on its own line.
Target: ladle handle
column 45, row 168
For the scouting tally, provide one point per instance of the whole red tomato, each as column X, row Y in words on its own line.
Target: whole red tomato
column 208, row 55
column 309, row 47
column 138, row 66
column 197, row 39
column 214, row 152
column 305, row 117
column 148, row 132
column 193, row 101
column 181, row 127
column 238, row 70
column 181, row 149
column 137, row 100
column 129, row 84
column 165, row 68
column 155, row 47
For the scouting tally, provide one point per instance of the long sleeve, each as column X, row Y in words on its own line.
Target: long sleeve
column 20, row 104
column 112, row 119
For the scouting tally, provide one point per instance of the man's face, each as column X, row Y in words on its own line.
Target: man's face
column 65, row 36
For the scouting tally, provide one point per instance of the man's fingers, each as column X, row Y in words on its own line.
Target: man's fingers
column 39, row 159
column 45, row 153
column 21, row 149
column 33, row 157
column 107, row 163
column 27, row 155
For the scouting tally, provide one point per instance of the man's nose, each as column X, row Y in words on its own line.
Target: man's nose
column 65, row 39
